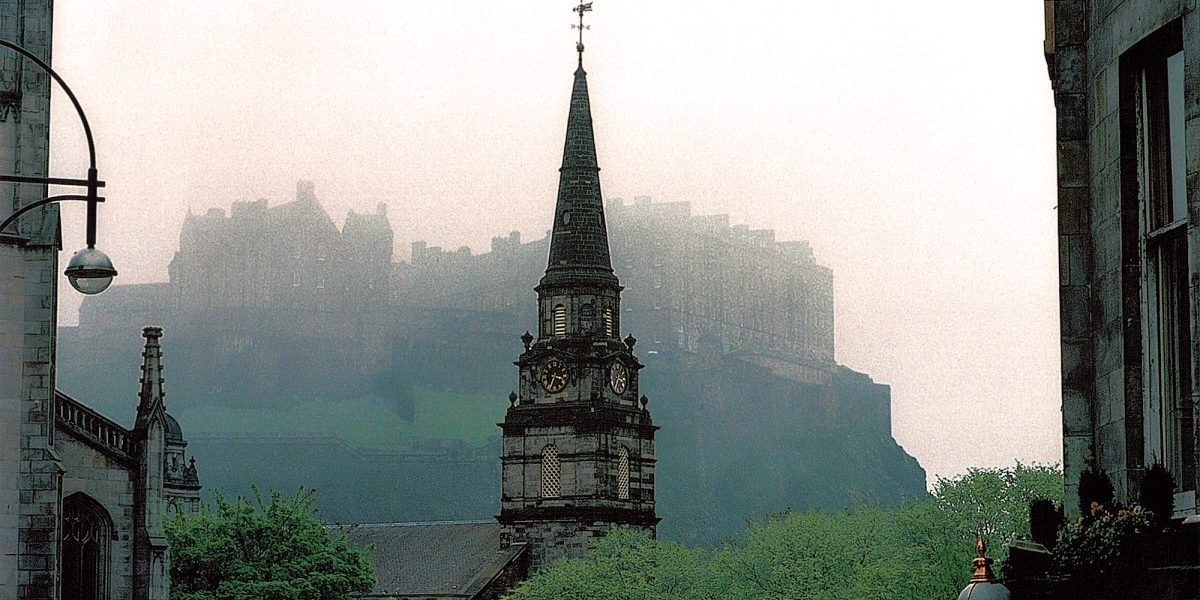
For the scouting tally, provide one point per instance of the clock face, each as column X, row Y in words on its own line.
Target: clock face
column 553, row 375
column 618, row 377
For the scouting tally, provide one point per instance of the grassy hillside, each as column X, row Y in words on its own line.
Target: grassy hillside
column 369, row 422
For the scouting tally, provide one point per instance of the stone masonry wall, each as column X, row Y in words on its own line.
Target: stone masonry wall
column 29, row 473
column 1100, row 268
column 1068, row 72
column 111, row 485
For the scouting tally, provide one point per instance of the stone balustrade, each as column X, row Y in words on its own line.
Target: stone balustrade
column 98, row 429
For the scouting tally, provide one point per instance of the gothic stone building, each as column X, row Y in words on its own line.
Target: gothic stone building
column 81, row 497
column 1126, row 80
column 578, row 440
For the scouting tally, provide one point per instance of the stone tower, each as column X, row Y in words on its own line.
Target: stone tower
column 30, row 471
column 578, row 451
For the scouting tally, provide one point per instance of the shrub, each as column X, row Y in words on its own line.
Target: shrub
column 1094, row 488
column 1045, row 519
column 1157, row 493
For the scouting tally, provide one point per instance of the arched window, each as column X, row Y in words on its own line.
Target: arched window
column 560, row 320
column 86, row 536
column 609, row 330
column 551, row 485
column 623, row 474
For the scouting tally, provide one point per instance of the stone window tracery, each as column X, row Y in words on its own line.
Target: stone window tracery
column 86, row 537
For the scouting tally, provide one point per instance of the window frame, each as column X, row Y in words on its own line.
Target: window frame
column 1154, row 195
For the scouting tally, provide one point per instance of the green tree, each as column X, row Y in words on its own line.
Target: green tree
column 274, row 550
column 994, row 503
column 624, row 565
column 919, row 551
column 815, row 555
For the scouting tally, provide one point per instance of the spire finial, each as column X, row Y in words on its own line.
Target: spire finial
column 582, row 8
column 982, row 564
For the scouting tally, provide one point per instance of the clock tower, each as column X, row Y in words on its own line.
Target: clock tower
column 578, row 450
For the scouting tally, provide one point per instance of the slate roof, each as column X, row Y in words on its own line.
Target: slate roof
column 579, row 239
column 432, row 560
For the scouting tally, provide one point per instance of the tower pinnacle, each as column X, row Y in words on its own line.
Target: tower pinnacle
column 151, row 398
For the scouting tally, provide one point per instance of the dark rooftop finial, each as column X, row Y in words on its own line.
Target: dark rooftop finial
column 582, row 8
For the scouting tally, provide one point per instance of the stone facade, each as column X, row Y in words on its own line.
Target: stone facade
column 578, row 441
column 80, row 496
column 1126, row 81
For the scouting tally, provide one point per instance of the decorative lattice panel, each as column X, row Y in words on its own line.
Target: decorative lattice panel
column 551, row 475
column 623, row 474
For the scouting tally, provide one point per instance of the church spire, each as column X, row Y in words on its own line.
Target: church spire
column 575, row 409
column 579, row 238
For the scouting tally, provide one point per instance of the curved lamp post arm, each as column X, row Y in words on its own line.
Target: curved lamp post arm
column 90, row 270
column 87, row 129
column 91, row 183
column 44, row 201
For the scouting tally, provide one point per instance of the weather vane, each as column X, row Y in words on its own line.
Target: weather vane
column 582, row 8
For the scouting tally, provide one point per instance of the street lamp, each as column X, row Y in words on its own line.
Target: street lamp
column 90, row 271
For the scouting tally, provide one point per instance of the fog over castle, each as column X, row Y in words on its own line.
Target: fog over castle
column 278, row 315
column 930, row 201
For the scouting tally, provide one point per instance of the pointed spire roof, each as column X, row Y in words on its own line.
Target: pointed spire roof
column 579, row 238
column 151, row 397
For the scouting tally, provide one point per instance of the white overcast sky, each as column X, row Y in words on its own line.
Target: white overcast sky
column 911, row 142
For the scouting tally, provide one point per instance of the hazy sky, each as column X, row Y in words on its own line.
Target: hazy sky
column 911, row 142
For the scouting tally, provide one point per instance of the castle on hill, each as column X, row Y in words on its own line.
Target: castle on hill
column 690, row 280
